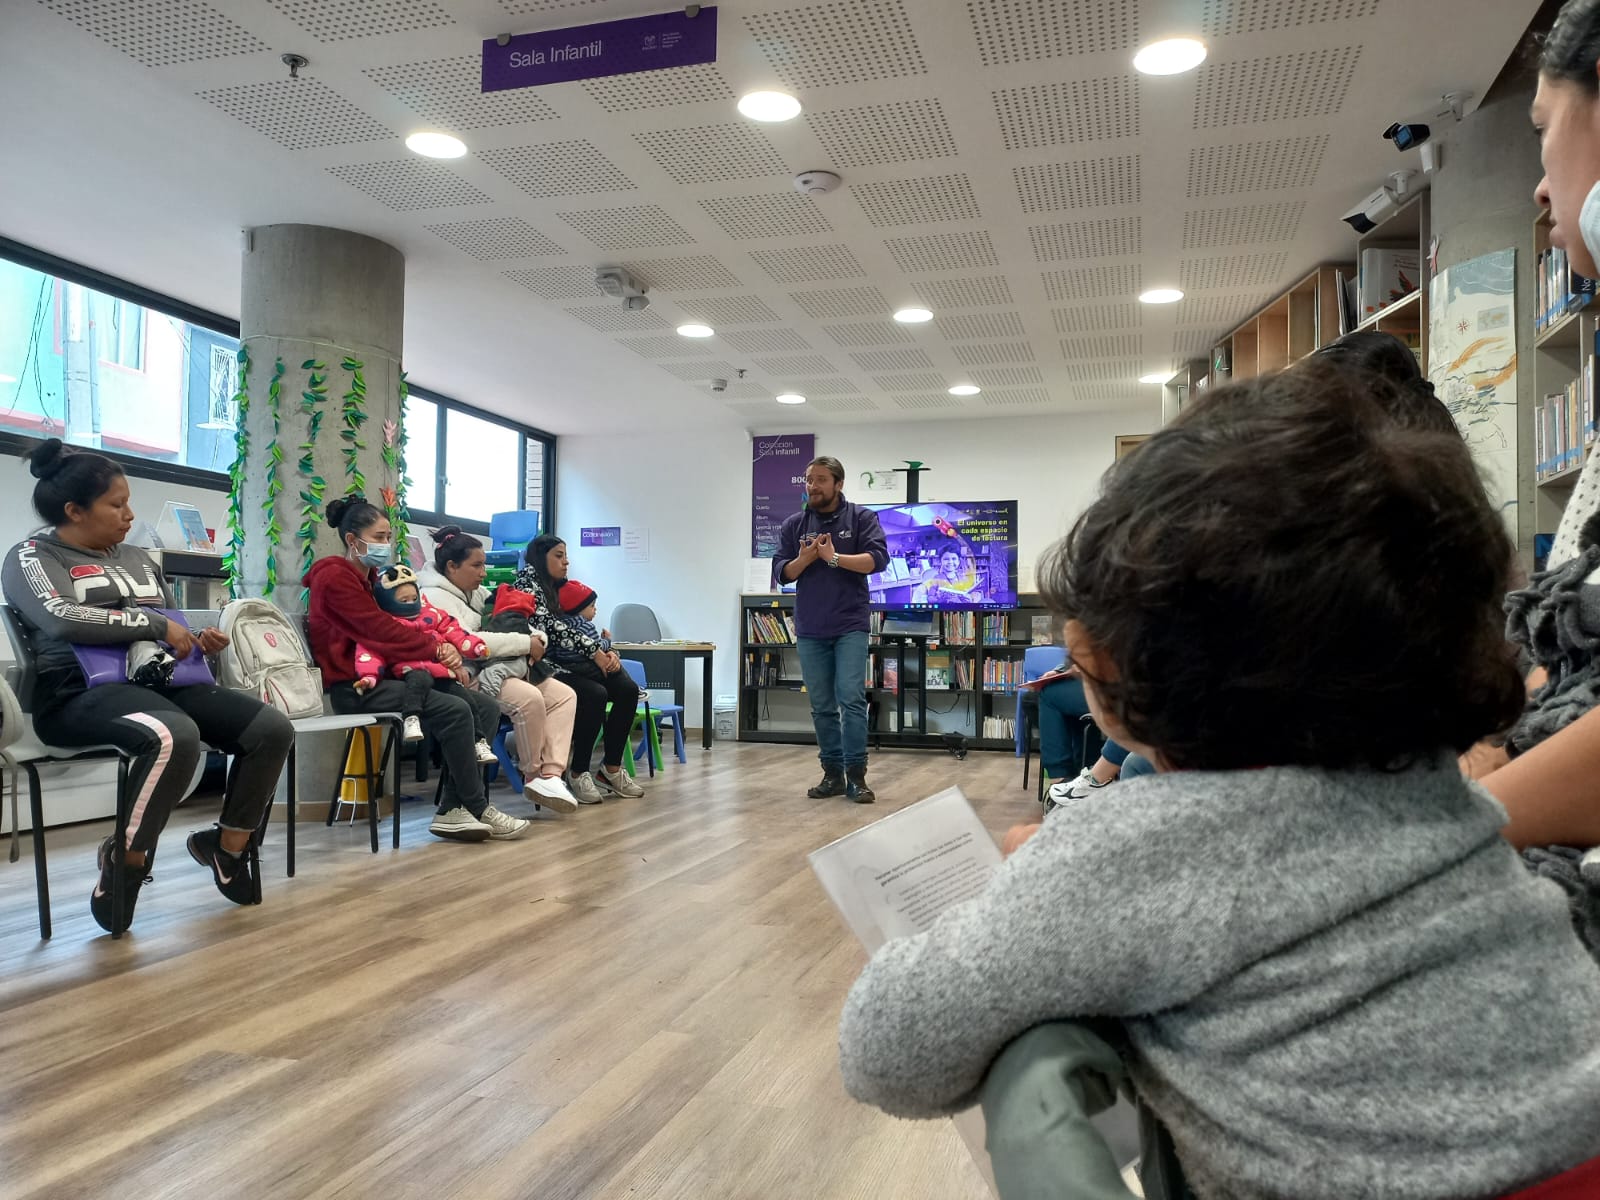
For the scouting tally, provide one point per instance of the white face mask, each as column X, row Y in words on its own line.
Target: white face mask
column 1589, row 222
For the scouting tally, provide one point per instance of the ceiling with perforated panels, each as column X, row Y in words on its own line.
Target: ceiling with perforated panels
column 1004, row 166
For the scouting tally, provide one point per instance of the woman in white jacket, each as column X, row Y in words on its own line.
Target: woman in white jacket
column 541, row 709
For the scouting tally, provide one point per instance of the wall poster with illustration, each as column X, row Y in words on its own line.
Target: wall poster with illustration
column 1472, row 353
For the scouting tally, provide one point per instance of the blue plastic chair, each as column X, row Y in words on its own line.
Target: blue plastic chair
column 1036, row 661
column 654, row 713
column 509, row 535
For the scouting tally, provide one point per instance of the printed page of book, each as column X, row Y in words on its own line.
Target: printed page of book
column 894, row 877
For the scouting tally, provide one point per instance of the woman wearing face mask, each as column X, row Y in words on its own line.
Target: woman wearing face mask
column 1546, row 776
column 342, row 612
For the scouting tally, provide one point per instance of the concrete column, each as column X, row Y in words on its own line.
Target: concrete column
column 1482, row 202
column 334, row 300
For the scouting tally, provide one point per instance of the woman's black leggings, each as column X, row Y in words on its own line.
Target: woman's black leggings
column 595, row 689
column 163, row 728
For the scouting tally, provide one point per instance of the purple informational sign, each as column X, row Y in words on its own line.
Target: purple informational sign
column 601, row 535
column 593, row 51
column 777, row 485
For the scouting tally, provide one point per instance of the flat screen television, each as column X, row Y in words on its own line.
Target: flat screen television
column 947, row 555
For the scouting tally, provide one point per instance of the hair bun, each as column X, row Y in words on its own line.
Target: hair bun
column 445, row 532
column 47, row 458
column 336, row 510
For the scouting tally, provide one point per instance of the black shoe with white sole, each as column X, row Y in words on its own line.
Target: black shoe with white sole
column 230, row 872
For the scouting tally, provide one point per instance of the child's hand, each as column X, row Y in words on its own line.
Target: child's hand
column 606, row 633
column 1016, row 836
column 1483, row 759
column 462, row 677
column 365, row 684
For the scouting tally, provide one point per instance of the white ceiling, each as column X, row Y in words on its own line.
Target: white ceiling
column 1004, row 166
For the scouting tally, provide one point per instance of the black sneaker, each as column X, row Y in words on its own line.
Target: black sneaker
column 856, row 789
column 132, row 879
column 230, row 872
column 832, row 784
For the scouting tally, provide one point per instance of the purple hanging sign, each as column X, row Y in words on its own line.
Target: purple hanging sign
column 777, row 485
column 601, row 535
column 594, row 51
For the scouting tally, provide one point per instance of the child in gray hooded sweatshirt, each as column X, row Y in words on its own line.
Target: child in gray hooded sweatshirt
column 1327, row 974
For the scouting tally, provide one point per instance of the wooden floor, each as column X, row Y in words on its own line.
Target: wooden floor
column 637, row 1000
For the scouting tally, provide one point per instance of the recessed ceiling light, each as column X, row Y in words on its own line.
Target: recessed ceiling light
column 695, row 331
column 769, row 106
column 913, row 316
column 1160, row 296
column 1156, row 377
column 965, row 389
column 1171, row 56
column 436, row 145
column 791, row 398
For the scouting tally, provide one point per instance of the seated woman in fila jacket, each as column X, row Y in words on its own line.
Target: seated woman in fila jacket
column 398, row 595
column 342, row 613
column 79, row 582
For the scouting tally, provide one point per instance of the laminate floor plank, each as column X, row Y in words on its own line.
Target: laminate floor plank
column 636, row 1000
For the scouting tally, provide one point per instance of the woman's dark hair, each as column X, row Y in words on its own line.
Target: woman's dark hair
column 68, row 476
column 1572, row 47
column 1284, row 576
column 454, row 546
column 537, row 556
column 831, row 465
column 1409, row 400
column 352, row 514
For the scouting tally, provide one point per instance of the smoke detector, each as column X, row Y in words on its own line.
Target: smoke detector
column 816, row 183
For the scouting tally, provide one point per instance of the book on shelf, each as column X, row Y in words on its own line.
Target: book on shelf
column 1000, row 728
column 1043, row 629
column 996, row 629
column 1347, row 303
column 1565, row 425
column 892, row 878
column 1386, row 274
column 1561, row 290
column 891, row 672
column 938, row 677
column 769, row 627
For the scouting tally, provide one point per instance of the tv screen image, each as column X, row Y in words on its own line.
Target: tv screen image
column 948, row 555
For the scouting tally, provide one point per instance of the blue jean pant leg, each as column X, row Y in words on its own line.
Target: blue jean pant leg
column 1061, row 707
column 850, row 690
column 817, row 657
column 1114, row 754
column 1136, row 765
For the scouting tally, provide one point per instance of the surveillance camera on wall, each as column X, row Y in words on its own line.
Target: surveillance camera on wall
column 1373, row 211
column 1405, row 137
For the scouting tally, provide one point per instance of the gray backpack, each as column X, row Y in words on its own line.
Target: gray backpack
column 265, row 657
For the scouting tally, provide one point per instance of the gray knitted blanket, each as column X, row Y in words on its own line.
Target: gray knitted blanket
column 1556, row 619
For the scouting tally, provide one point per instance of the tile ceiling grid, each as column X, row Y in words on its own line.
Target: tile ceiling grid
column 1003, row 165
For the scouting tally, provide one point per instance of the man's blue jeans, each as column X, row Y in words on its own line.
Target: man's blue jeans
column 835, row 672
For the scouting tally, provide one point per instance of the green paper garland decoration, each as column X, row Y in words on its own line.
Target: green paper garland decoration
column 314, row 486
column 274, row 483
column 236, row 475
column 394, row 456
column 355, row 417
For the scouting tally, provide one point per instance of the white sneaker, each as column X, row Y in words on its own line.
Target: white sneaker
column 459, row 825
column 623, row 785
column 551, row 793
column 1069, row 791
column 502, row 826
column 411, row 730
column 584, row 790
column 484, row 753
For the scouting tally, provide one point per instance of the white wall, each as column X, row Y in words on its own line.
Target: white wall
column 692, row 492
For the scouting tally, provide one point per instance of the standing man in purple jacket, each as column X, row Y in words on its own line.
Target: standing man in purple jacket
column 827, row 550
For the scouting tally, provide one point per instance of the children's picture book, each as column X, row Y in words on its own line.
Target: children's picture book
column 938, row 669
column 1044, row 630
column 894, row 877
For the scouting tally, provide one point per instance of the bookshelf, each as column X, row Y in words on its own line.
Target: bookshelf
column 1406, row 238
column 1565, row 329
column 918, row 689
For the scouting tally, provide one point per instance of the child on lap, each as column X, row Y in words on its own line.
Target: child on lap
column 398, row 594
column 1328, row 974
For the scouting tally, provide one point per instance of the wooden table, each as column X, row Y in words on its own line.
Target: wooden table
column 664, row 668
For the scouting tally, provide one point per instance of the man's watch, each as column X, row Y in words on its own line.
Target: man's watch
column 834, row 561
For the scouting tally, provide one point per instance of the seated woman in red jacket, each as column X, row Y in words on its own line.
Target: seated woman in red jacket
column 342, row 613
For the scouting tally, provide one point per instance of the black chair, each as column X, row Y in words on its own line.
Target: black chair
column 30, row 752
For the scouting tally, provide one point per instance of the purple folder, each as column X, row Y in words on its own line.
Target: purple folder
column 107, row 662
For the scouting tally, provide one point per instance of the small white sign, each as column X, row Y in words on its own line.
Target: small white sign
column 636, row 545
column 758, row 576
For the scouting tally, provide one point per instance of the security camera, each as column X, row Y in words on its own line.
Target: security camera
column 1372, row 212
column 1405, row 137
column 636, row 303
column 719, row 385
column 618, row 284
